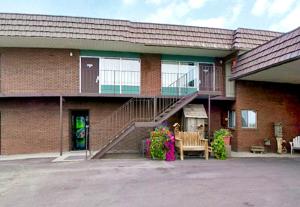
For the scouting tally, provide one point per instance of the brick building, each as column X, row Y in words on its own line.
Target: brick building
column 68, row 83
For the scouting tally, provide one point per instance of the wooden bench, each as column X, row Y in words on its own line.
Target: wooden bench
column 295, row 144
column 191, row 141
column 260, row 149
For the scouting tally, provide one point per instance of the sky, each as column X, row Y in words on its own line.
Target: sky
column 277, row 15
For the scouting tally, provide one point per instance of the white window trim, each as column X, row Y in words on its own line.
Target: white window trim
column 247, row 127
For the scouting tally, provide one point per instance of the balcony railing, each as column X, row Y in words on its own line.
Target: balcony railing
column 114, row 82
column 209, row 79
column 184, row 83
column 119, row 82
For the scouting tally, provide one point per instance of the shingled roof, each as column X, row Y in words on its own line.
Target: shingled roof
column 275, row 52
column 27, row 25
column 250, row 38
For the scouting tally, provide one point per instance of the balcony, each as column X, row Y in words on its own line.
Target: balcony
column 116, row 83
column 119, row 82
column 208, row 79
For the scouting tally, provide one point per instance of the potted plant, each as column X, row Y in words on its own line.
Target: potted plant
column 218, row 144
column 225, row 134
column 161, row 145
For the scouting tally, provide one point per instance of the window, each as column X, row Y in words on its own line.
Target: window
column 120, row 76
column 249, row 119
column 231, row 119
column 178, row 75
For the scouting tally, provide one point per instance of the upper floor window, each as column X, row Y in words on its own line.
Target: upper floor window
column 120, row 76
column 178, row 75
column 249, row 119
column 231, row 119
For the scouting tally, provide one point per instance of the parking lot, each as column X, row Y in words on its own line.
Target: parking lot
column 139, row 182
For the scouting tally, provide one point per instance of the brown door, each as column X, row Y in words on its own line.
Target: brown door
column 89, row 74
column 206, row 77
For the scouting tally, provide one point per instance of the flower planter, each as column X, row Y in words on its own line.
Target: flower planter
column 227, row 140
column 161, row 144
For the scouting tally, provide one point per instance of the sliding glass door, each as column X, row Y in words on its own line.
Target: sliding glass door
column 178, row 78
column 119, row 76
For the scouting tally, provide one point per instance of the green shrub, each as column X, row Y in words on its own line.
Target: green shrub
column 218, row 145
column 157, row 149
column 222, row 132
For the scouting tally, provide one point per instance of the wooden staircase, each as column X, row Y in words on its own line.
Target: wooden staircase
column 150, row 121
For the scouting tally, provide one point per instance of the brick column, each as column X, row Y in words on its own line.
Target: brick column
column 150, row 74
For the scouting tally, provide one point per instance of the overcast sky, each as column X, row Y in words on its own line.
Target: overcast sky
column 278, row 15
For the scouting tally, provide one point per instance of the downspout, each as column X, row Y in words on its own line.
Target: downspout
column 61, row 123
column 209, row 107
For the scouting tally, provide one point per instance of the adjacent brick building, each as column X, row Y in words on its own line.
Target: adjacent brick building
column 112, row 81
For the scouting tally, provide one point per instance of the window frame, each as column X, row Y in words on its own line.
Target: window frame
column 120, row 65
column 234, row 120
column 248, row 127
column 120, row 70
column 196, row 72
column 178, row 74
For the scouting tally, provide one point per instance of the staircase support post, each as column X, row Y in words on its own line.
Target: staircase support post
column 154, row 107
column 209, row 108
column 61, row 124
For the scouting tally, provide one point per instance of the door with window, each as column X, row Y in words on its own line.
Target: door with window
column 206, row 77
column 89, row 75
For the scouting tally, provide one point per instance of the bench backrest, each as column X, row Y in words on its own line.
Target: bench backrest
column 296, row 141
column 191, row 139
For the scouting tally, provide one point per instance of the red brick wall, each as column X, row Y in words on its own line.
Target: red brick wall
column 99, row 109
column 274, row 103
column 150, row 74
column 25, row 70
column 31, row 125
column 28, row 70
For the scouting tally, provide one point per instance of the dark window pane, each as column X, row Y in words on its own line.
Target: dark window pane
column 244, row 118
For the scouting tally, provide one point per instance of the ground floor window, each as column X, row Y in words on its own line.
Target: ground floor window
column 231, row 119
column 249, row 119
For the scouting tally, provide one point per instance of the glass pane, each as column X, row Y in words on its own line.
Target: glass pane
column 191, row 78
column 244, row 118
column 189, row 69
column 252, row 119
column 130, row 72
column 169, row 73
column 231, row 119
column 185, row 67
column 110, row 71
